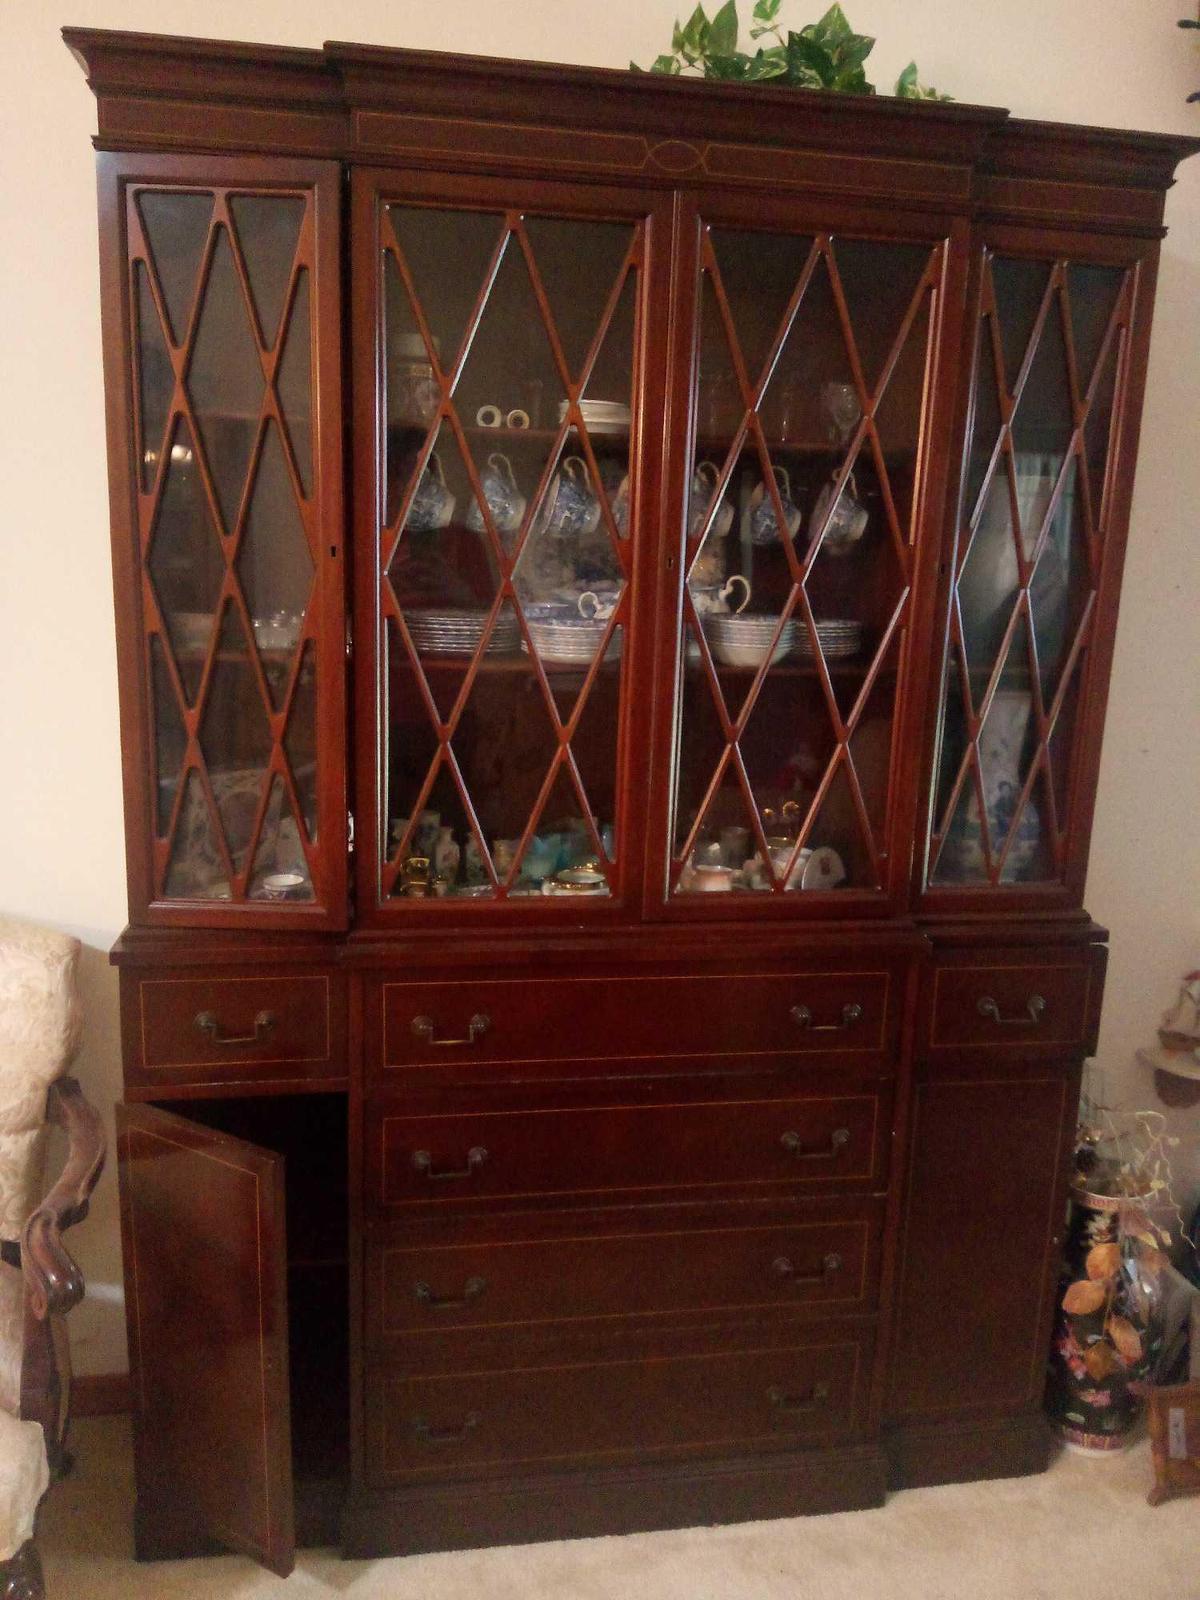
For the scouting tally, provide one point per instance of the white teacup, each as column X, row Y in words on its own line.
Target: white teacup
column 716, row 602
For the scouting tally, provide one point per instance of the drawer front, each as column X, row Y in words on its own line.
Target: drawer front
column 466, row 1157
column 223, row 1026
column 426, row 1288
column 422, row 1426
column 472, row 1022
column 1052, row 1003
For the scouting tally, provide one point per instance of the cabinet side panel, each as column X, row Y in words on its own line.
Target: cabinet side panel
column 982, row 1218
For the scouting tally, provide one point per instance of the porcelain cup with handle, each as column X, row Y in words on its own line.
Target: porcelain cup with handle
column 716, row 602
column 432, row 505
column 505, row 501
column 573, row 508
column 764, row 522
column 704, row 487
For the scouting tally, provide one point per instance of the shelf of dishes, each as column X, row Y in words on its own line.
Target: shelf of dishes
column 275, row 636
column 724, row 862
column 565, row 633
column 561, row 861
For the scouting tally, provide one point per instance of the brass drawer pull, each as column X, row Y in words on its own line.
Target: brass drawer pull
column 428, row 1434
column 478, row 1025
column 851, row 1013
column 472, row 1289
column 423, row 1162
column 207, row 1023
column 794, row 1145
column 783, row 1268
column 792, row 1405
column 1032, row 1014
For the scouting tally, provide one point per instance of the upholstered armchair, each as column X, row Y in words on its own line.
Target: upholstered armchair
column 40, row 1026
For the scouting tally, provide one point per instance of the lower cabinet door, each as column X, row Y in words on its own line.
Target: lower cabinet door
column 203, row 1228
column 983, row 1218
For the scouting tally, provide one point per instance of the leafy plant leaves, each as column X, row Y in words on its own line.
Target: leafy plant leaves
column 826, row 54
column 723, row 33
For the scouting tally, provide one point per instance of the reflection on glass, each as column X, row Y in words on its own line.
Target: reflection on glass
column 798, row 548
column 1033, row 512
column 508, row 389
column 231, row 660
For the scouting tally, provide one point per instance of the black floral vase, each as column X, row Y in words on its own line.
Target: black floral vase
column 1108, row 1334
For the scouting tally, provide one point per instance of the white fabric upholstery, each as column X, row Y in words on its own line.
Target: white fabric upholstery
column 24, row 1478
column 12, row 1337
column 40, row 1027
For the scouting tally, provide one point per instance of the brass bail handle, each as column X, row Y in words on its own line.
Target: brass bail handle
column 1034, row 1007
column 479, row 1024
column 206, row 1022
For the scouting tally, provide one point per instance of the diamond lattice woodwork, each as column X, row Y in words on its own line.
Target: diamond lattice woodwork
column 797, row 744
column 502, row 337
column 228, row 533
column 1049, row 374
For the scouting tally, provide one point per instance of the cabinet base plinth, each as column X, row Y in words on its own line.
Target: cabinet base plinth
column 921, row 1454
column 464, row 1516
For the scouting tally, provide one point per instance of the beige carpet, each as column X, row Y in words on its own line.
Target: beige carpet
column 1081, row 1532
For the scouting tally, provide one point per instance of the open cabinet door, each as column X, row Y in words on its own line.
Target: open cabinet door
column 203, row 1227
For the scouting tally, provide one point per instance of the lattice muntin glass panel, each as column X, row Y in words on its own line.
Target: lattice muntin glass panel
column 508, row 358
column 1049, row 369
column 229, row 536
column 812, row 369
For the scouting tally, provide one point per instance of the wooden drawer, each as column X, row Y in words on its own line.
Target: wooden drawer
column 471, row 1022
column 219, row 1026
column 451, row 1282
column 994, row 1002
column 725, row 1400
column 458, row 1158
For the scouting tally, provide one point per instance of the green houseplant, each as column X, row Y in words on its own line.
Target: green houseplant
column 827, row 54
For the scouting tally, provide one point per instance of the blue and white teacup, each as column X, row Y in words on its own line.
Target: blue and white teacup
column 572, row 509
column 505, row 501
column 764, row 521
column 432, row 505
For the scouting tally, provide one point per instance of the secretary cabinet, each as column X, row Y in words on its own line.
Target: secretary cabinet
column 615, row 585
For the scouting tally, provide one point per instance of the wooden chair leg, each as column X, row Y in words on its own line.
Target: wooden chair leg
column 21, row 1576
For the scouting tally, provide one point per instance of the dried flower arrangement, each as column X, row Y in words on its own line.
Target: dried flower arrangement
column 1125, row 1218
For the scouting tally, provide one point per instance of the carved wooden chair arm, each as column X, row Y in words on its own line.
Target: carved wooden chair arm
column 53, row 1283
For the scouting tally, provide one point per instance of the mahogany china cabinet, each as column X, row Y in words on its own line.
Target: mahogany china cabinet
column 615, row 585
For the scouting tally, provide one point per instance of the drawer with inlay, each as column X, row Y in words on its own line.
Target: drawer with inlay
column 703, row 1402
column 470, row 1023
column 219, row 1027
column 586, row 1270
column 617, row 1142
column 1028, row 1002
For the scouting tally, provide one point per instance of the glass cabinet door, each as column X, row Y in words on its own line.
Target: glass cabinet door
column 1036, row 503
column 231, row 497
column 508, row 393
column 811, row 372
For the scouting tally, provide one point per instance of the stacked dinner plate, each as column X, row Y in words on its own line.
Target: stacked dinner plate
column 744, row 640
column 840, row 637
column 600, row 416
column 455, row 631
column 562, row 638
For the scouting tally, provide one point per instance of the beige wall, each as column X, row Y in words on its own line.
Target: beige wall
column 1116, row 61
